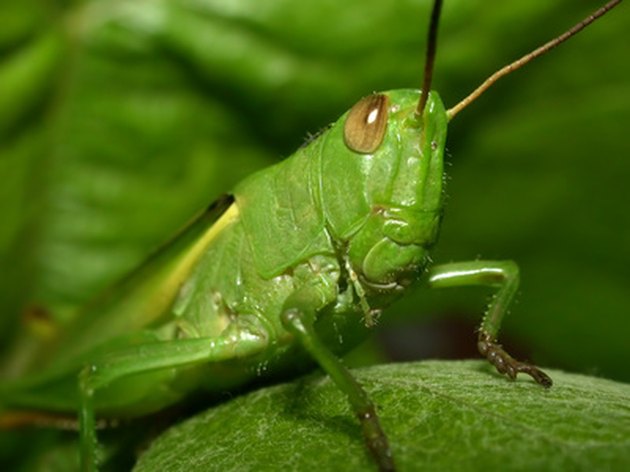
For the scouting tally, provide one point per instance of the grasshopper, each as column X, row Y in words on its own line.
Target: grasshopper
column 295, row 265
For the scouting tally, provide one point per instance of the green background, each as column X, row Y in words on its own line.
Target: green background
column 120, row 119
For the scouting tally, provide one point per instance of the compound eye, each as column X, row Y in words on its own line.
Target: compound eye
column 366, row 123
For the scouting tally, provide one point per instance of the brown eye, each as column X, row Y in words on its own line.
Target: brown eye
column 365, row 125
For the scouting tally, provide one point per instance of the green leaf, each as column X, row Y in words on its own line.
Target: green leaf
column 438, row 416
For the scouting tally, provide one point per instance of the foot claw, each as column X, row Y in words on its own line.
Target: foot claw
column 506, row 364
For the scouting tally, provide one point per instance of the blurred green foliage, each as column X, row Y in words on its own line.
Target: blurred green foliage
column 120, row 119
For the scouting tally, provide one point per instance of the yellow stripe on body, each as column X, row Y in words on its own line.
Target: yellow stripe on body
column 189, row 259
column 149, row 292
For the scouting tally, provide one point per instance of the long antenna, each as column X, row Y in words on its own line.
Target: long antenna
column 528, row 57
column 430, row 57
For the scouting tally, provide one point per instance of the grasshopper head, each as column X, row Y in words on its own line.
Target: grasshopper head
column 383, row 186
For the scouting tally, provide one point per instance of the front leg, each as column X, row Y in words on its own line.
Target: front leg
column 504, row 276
column 298, row 317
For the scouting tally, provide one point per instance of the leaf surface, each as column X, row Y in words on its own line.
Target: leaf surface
column 438, row 415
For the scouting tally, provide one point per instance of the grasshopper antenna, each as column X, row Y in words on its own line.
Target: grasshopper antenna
column 430, row 56
column 451, row 112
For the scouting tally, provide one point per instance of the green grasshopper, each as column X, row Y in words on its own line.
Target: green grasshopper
column 295, row 265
